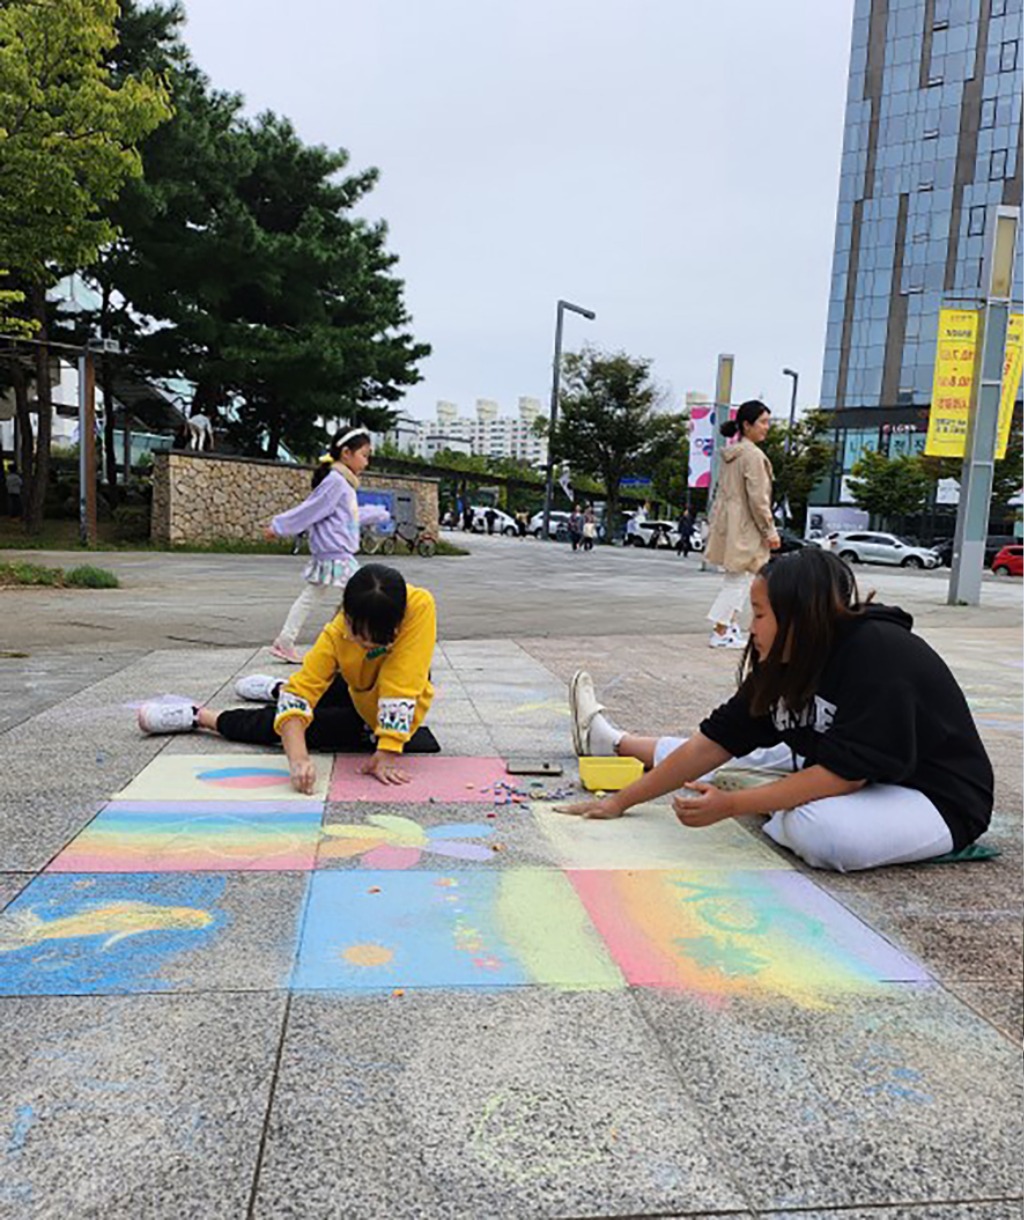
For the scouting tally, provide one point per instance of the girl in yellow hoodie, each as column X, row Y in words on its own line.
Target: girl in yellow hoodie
column 364, row 685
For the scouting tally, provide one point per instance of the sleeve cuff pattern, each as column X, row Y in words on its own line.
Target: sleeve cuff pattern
column 395, row 715
column 290, row 705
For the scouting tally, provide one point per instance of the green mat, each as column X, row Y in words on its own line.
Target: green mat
column 973, row 851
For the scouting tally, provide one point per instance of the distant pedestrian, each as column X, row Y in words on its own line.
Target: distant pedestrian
column 467, row 519
column 491, row 517
column 742, row 533
column 589, row 528
column 684, row 543
column 521, row 523
column 575, row 527
column 331, row 514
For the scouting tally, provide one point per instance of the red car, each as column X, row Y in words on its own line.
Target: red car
column 1009, row 561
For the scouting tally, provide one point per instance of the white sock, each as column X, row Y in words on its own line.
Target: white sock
column 603, row 736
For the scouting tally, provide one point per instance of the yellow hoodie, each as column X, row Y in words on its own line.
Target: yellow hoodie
column 391, row 689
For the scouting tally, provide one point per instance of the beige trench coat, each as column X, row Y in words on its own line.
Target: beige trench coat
column 741, row 518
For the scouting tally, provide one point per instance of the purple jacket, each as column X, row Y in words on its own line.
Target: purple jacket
column 332, row 516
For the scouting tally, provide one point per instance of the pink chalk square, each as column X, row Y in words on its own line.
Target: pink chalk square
column 432, row 776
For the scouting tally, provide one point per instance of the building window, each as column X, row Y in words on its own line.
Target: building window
column 988, row 113
column 997, row 164
column 976, row 221
column 1008, row 56
column 998, row 8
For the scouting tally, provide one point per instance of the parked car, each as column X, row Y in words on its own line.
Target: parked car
column 1009, row 561
column 662, row 533
column 503, row 523
column 793, row 542
column 559, row 524
column 868, row 546
column 994, row 543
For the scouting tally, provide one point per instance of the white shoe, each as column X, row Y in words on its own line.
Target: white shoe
column 583, row 707
column 258, row 688
column 736, row 638
column 719, row 639
column 159, row 717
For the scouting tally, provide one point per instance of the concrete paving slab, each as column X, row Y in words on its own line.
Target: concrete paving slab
column 991, row 1209
column 875, row 1100
column 197, row 836
column 90, row 934
column 34, row 828
column 452, row 836
column 212, row 777
column 464, row 740
column 724, row 935
column 33, row 682
column 1001, row 1004
column 11, row 885
column 372, row 931
column 124, row 1107
column 501, row 1102
column 649, row 837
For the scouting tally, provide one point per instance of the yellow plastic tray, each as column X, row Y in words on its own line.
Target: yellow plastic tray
column 609, row 774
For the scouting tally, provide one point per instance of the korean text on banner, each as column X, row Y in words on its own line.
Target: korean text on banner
column 951, row 388
column 1012, row 362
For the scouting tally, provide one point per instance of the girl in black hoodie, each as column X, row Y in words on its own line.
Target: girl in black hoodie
column 860, row 729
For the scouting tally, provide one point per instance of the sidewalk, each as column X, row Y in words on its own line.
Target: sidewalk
column 224, row 1005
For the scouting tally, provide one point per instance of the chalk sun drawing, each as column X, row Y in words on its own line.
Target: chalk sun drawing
column 388, row 841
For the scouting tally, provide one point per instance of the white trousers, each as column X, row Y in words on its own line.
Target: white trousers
column 732, row 598
column 881, row 824
column 312, row 596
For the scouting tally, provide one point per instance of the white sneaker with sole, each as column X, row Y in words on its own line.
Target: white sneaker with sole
column 735, row 638
column 583, row 707
column 158, row 717
column 258, row 688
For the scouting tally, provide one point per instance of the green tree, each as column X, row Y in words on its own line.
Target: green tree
column 1007, row 474
column 889, row 487
column 811, row 455
column 610, row 426
column 67, row 146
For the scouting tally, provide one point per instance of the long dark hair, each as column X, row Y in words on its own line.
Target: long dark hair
column 374, row 602
column 749, row 413
column 354, row 438
column 811, row 593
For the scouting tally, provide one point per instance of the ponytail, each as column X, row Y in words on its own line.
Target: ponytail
column 354, row 438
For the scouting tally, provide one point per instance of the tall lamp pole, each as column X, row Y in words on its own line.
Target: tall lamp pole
column 792, row 406
column 556, row 376
column 972, row 512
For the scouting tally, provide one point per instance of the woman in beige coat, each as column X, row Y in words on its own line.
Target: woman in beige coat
column 742, row 527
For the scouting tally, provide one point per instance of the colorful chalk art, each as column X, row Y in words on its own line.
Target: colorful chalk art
column 144, row 892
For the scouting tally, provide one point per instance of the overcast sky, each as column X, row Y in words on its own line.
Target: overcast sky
column 671, row 164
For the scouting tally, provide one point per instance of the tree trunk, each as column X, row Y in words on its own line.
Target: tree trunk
column 44, row 399
column 25, row 458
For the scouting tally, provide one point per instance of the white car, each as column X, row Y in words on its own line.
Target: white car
column 503, row 523
column 869, row 546
column 559, row 520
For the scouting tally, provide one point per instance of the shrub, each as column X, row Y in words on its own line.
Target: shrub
column 85, row 576
column 20, row 573
column 131, row 523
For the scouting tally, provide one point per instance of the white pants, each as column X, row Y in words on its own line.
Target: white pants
column 312, row 595
column 732, row 597
column 881, row 824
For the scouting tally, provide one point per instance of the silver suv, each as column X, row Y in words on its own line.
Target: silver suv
column 866, row 546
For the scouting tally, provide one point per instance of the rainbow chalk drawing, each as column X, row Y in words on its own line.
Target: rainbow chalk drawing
column 720, row 935
column 222, row 777
column 379, row 930
column 393, row 842
column 167, row 836
column 432, row 777
column 77, row 934
column 649, row 836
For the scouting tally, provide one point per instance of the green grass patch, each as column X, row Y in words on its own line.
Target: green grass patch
column 85, row 576
column 449, row 548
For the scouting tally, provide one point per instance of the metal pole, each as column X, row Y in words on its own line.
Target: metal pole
column 723, row 397
column 556, row 375
column 792, row 408
column 86, row 449
column 983, row 413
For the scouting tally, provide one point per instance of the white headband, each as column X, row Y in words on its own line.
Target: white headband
column 342, row 440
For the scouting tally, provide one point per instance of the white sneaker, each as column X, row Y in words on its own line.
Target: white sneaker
column 258, row 688
column 583, row 707
column 160, row 717
column 719, row 639
column 736, row 638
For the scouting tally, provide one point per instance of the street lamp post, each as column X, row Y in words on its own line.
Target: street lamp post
column 792, row 407
column 983, row 413
column 556, row 376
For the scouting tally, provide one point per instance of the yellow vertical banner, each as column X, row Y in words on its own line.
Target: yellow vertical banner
column 951, row 386
column 1011, row 380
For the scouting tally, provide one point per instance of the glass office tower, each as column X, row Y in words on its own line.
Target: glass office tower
column 932, row 140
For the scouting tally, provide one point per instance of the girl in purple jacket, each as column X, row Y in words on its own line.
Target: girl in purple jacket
column 332, row 516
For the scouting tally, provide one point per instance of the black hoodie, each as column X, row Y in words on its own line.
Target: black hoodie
column 888, row 711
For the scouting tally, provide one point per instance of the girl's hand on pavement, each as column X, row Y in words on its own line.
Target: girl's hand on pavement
column 707, row 806
column 303, row 775
column 603, row 809
column 385, row 765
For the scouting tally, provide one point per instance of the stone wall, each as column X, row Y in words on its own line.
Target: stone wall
column 201, row 497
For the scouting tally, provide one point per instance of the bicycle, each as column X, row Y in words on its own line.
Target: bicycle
column 416, row 538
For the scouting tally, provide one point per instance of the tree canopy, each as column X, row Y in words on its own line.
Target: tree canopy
column 889, row 487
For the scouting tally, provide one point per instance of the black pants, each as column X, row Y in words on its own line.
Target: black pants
column 336, row 726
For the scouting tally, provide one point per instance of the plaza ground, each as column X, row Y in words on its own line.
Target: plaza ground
column 642, row 1029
